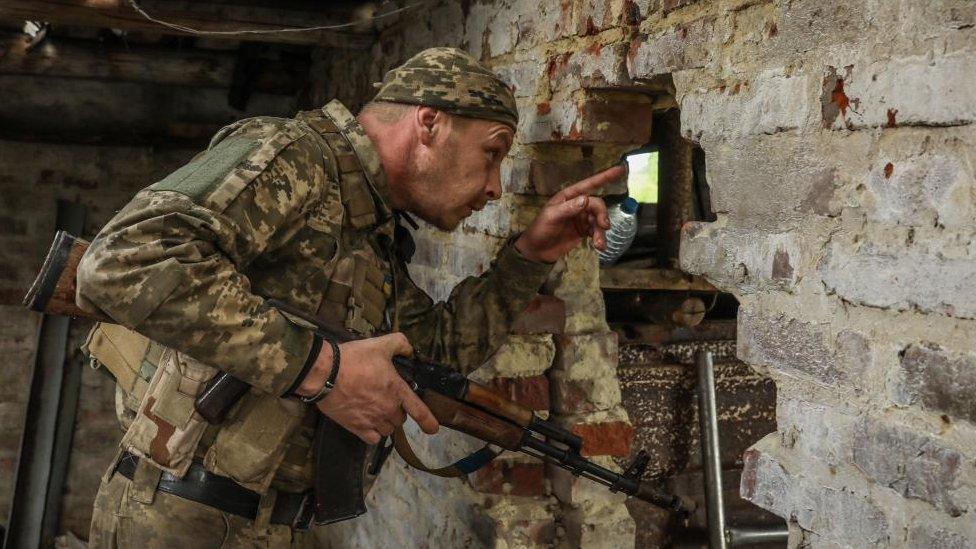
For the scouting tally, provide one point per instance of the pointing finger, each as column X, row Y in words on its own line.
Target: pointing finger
column 592, row 183
column 570, row 208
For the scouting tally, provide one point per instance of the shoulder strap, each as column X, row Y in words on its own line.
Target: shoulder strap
column 354, row 188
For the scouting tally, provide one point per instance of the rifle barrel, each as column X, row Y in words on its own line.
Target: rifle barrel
column 580, row 466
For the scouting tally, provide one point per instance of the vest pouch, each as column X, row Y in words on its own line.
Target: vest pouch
column 167, row 429
column 130, row 357
column 249, row 448
column 369, row 298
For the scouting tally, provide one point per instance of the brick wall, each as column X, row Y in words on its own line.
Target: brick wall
column 839, row 142
column 839, row 146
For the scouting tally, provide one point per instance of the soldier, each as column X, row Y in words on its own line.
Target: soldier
column 306, row 211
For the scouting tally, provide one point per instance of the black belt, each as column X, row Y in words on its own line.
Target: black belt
column 204, row 487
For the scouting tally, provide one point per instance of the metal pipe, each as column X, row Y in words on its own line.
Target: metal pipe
column 749, row 535
column 711, row 456
column 48, row 424
column 720, row 537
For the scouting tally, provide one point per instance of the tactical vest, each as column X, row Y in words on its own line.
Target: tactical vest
column 265, row 439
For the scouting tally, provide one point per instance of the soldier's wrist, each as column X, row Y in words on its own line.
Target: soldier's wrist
column 307, row 376
column 321, row 376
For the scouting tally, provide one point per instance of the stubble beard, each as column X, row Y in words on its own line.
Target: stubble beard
column 428, row 181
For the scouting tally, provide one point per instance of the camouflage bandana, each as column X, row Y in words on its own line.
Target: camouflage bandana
column 450, row 80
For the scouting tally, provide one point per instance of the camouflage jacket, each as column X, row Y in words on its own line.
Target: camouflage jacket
column 291, row 209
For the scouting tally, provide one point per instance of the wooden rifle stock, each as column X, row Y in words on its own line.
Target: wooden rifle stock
column 53, row 291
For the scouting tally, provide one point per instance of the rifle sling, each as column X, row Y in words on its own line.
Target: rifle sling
column 459, row 468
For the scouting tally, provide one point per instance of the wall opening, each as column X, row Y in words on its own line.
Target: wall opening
column 662, row 315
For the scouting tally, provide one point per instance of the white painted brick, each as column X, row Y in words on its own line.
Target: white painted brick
column 515, row 174
column 593, row 66
column 679, row 48
column 475, row 27
column 928, row 270
column 576, row 280
column 773, row 101
column 522, row 75
column 541, row 127
column 817, row 430
column 913, row 463
column 926, row 91
column 842, row 517
column 787, row 345
column 922, row 180
column 741, row 260
column 502, row 31
column 543, row 22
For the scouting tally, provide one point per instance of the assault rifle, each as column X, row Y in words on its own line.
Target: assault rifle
column 457, row 402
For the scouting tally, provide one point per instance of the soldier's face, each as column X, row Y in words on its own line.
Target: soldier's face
column 460, row 171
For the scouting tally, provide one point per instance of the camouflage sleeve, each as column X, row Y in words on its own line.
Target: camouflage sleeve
column 475, row 320
column 169, row 264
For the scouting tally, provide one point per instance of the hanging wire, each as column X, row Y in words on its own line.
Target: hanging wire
column 190, row 30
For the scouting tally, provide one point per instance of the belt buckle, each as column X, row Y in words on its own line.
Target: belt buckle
column 306, row 511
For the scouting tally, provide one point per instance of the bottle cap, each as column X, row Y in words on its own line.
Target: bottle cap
column 629, row 205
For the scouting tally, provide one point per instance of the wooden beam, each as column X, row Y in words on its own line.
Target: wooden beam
column 118, row 14
column 91, row 60
column 45, row 108
column 642, row 333
column 623, row 278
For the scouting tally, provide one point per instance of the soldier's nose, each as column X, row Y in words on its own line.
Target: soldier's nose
column 494, row 190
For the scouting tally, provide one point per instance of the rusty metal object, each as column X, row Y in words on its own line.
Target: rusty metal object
column 676, row 190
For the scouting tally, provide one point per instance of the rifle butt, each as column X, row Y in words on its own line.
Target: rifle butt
column 53, row 291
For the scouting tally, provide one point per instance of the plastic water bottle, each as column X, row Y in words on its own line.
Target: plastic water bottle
column 623, row 228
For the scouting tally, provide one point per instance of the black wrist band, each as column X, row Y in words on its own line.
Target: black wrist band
column 329, row 383
column 313, row 354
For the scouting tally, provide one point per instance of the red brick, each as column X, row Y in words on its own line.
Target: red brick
column 572, row 396
column 510, row 478
column 611, row 119
column 548, row 178
column 602, row 118
column 531, row 392
column 612, row 438
column 545, row 314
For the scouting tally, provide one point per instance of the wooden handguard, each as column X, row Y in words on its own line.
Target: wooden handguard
column 461, row 417
column 53, row 291
column 488, row 399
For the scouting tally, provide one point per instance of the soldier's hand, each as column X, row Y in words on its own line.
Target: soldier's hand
column 567, row 218
column 370, row 399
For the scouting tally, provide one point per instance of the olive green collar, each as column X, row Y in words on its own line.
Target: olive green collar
column 368, row 156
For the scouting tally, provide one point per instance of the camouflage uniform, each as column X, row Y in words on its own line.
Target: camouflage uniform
column 291, row 209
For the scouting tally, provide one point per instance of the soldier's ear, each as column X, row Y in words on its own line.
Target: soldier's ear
column 427, row 122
